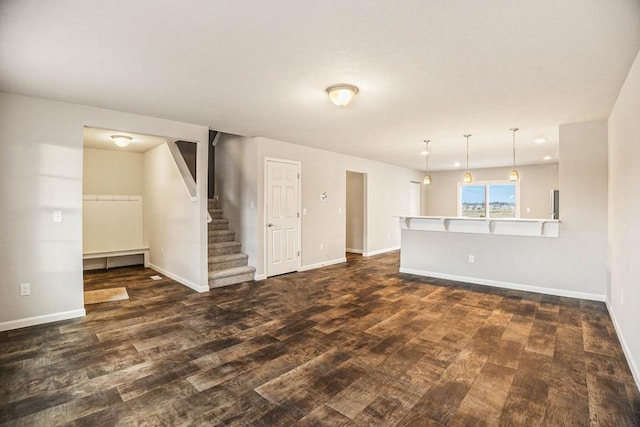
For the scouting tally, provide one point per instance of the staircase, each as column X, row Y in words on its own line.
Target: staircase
column 227, row 265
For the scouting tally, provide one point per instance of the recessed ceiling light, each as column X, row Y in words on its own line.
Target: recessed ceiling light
column 457, row 164
column 424, row 152
column 539, row 140
column 547, row 157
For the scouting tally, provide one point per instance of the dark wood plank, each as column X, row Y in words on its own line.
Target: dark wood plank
column 350, row 344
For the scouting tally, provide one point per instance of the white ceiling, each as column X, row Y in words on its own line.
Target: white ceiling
column 425, row 69
column 101, row 139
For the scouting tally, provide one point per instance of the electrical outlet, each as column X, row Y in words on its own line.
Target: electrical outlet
column 322, row 246
column 25, row 289
column 339, row 211
column 57, row 216
column 471, row 259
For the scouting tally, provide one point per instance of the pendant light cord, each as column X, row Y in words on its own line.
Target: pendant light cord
column 467, row 136
column 427, row 155
column 514, row 130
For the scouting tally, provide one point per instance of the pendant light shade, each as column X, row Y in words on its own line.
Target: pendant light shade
column 514, row 173
column 341, row 94
column 121, row 140
column 468, row 179
column 427, row 177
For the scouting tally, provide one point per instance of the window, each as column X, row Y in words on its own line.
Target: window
column 489, row 200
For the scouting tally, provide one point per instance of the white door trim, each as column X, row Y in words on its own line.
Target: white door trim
column 265, row 238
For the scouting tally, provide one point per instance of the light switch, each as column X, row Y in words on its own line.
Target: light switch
column 339, row 211
column 57, row 216
column 304, row 211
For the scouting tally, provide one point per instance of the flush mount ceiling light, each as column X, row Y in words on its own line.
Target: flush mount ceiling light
column 341, row 94
column 514, row 173
column 547, row 157
column 539, row 140
column 121, row 140
column 427, row 177
column 468, row 179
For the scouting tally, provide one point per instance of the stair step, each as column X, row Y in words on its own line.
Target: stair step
column 224, row 248
column 218, row 236
column 215, row 213
column 222, row 262
column 212, row 204
column 219, row 224
column 231, row 276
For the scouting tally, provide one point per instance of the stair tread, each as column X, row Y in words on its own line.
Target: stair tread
column 218, row 220
column 231, row 272
column 224, row 244
column 220, row 232
column 227, row 257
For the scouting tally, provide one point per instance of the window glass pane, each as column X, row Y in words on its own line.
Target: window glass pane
column 472, row 198
column 502, row 201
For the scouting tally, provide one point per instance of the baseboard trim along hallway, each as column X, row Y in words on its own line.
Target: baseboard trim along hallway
column 181, row 280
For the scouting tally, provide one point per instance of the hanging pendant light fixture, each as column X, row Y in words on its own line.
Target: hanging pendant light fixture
column 468, row 179
column 514, row 173
column 427, row 177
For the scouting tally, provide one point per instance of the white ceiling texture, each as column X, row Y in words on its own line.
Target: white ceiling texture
column 426, row 69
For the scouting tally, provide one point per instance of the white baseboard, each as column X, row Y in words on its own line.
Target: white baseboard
column 381, row 251
column 353, row 251
column 506, row 285
column 38, row 320
column 260, row 277
column 322, row 264
column 625, row 348
column 182, row 281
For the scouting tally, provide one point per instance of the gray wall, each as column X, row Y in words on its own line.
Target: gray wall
column 440, row 198
column 572, row 264
column 624, row 205
column 355, row 211
column 41, row 172
column 240, row 182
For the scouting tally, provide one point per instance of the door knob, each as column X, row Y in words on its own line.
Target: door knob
column 269, row 225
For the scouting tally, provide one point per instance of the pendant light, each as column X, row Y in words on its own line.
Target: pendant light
column 514, row 173
column 468, row 179
column 427, row 177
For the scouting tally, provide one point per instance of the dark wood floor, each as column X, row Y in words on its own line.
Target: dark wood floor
column 352, row 344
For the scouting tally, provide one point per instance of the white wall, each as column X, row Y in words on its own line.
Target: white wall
column 440, row 198
column 111, row 172
column 240, row 181
column 40, row 172
column 355, row 211
column 169, row 218
column 573, row 264
column 624, row 205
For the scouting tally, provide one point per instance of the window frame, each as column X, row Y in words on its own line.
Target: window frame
column 486, row 185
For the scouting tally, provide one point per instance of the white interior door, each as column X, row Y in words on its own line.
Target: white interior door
column 414, row 198
column 282, row 207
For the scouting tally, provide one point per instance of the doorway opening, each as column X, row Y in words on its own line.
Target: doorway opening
column 117, row 219
column 356, row 214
